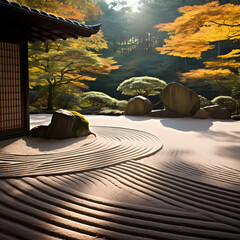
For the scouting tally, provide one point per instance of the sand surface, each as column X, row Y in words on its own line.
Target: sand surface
column 139, row 178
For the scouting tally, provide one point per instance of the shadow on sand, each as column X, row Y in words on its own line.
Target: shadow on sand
column 29, row 145
column 186, row 125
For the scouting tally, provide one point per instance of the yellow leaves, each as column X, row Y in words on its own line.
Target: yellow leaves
column 199, row 26
column 96, row 42
column 233, row 54
column 107, row 65
column 222, row 64
column 191, row 47
column 88, row 8
column 70, row 12
column 74, row 9
column 206, row 74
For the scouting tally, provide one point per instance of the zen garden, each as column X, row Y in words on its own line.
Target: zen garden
column 120, row 119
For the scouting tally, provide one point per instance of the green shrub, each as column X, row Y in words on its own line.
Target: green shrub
column 120, row 105
column 236, row 117
column 204, row 101
column 96, row 99
column 226, row 102
column 69, row 101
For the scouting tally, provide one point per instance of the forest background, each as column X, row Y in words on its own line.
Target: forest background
column 194, row 42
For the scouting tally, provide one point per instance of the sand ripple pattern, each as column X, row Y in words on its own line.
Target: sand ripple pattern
column 216, row 172
column 111, row 146
column 53, row 207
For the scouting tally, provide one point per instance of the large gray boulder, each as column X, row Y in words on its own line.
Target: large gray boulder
column 138, row 106
column 179, row 99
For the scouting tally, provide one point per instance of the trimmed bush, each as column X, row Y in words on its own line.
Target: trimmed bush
column 144, row 86
column 96, row 99
column 204, row 101
column 226, row 102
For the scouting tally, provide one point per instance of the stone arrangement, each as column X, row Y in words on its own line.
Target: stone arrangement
column 64, row 124
column 180, row 101
column 213, row 111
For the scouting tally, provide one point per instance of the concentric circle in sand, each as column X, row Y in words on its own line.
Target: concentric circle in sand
column 111, row 145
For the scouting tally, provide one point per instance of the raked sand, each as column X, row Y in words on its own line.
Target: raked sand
column 139, row 178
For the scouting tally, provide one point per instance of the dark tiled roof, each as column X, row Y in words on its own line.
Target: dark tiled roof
column 40, row 25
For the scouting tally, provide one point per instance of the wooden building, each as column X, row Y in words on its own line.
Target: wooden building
column 19, row 25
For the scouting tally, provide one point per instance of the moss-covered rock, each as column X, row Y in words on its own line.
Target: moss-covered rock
column 81, row 125
column 64, row 124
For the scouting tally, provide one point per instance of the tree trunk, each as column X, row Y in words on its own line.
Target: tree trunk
column 51, row 91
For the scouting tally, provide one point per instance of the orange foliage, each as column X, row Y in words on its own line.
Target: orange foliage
column 222, row 64
column 233, row 54
column 199, row 26
column 107, row 65
column 206, row 74
column 75, row 9
column 79, row 84
column 70, row 12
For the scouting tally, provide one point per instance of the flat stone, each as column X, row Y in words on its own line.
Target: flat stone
column 212, row 108
column 179, row 99
column 162, row 113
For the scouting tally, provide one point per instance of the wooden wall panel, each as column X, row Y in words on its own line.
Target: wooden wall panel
column 11, row 91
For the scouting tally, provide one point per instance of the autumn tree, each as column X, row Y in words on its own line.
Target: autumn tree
column 82, row 10
column 58, row 66
column 199, row 29
column 67, row 62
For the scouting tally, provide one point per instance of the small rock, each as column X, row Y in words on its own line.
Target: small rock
column 162, row 113
column 138, row 106
column 221, row 114
column 201, row 114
